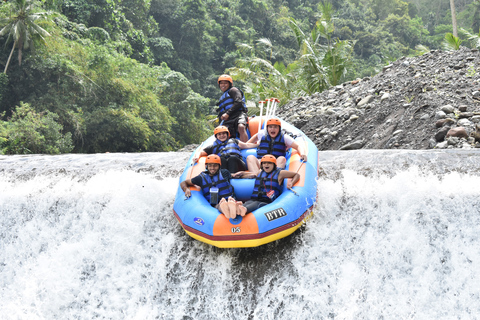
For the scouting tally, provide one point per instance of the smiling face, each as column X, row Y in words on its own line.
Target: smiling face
column 222, row 136
column 224, row 85
column 268, row 166
column 213, row 168
column 273, row 130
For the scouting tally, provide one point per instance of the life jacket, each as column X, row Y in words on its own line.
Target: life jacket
column 227, row 148
column 225, row 189
column 264, row 182
column 226, row 102
column 276, row 147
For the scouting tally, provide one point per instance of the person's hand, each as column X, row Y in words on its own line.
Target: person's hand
column 303, row 157
column 237, row 174
column 225, row 116
column 195, row 160
column 188, row 193
column 289, row 184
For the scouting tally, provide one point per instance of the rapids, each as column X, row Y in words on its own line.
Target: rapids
column 395, row 235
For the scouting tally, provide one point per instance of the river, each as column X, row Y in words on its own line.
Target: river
column 395, row 235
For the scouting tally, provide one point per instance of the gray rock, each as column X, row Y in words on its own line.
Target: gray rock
column 440, row 115
column 353, row 146
column 365, row 101
column 448, row 108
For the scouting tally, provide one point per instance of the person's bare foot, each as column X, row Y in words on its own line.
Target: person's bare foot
column 241, row 210
column 232, row 207
column 223, row 207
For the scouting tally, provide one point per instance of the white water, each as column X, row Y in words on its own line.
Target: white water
column 396, row 235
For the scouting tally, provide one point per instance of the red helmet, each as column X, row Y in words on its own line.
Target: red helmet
column 225, row 77
column 269, row 158
column 221, row 129
column 213, row 158
column 274, row 121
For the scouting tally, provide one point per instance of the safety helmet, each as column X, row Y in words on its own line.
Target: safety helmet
column 269, row 158
column 225, row 77
column 213, row 158
column 274, row 121
column 221, row 129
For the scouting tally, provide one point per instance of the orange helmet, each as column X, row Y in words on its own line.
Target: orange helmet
column 213, row 158
column 274, row 121
column 225, row 77
column 269, row 158
column 221, row 129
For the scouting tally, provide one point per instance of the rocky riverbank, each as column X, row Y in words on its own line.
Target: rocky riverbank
column 430, row 101
column 425, row 102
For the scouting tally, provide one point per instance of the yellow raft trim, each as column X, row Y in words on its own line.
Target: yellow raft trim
column 251, row 242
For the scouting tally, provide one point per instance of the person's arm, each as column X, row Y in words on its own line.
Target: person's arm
column 285, row 174
column 237, row 97
column 253, row 139
column 201, row 154
column 244, row 175
column 185, row 185
column 247, row 145
column 300, row 150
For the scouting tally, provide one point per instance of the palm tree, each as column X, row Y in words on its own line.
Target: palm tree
column 22, row 27
column 454, row 18
column 262, row 78
column 323, row 59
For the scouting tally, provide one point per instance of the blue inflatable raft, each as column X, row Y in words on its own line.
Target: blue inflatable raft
column 269, row 223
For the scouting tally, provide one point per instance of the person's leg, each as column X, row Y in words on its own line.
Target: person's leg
column 232, row 207
column 253, row 164
column 241, row 210
column 224, row 163
column 236, row 164
column 252, row 205
column 242, row 127
column 223, row 208
column 281, row 162
column 242, row 132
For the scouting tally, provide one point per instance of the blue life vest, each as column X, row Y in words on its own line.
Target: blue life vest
column 226, row 102
column 225, row 189
column 227, row 148
column 264, row 182
column 276, row 147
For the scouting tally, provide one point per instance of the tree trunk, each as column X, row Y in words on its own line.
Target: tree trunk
column 10, row 56
column 454, row 18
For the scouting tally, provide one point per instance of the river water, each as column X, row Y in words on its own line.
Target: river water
column 395, row 235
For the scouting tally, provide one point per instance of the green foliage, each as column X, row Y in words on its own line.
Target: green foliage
column 29, row 132
column 451, row 42
column 323, row 60
column 22, row 28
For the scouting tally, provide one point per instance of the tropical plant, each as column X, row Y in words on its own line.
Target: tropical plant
column 22, row 27
column 263, row 79
column 323, row 59
column 475, row 38
column 30, row 132
column 451, row 42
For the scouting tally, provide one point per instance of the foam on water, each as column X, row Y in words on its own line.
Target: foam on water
column 394, row 236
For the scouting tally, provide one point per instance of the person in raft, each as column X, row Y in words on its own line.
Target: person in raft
column 228, row 149
column 275, row 143
column 216, row 188
column 232, row 109
column 268, row 183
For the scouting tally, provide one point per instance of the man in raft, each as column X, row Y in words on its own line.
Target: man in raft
column 228, row 149
column 268, row 183
column 232, row 109
column 275, row 143
column 216, row 188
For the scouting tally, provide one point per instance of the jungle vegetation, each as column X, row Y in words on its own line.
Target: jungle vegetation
column 93, row 76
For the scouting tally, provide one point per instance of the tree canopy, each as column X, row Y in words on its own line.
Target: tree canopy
column 130, row 75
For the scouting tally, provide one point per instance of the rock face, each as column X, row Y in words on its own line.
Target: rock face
column 412, row 104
